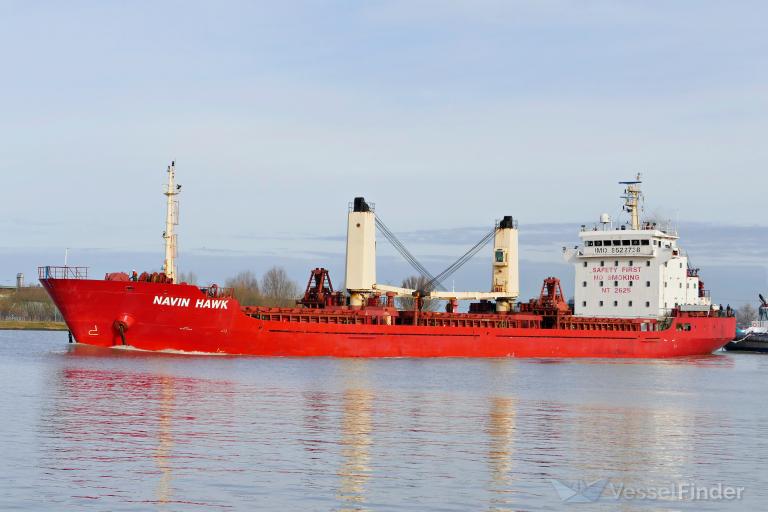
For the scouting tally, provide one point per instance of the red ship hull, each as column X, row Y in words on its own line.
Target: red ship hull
column 94, row 309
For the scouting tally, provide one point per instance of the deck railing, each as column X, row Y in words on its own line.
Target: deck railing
column 217, row 292
column 49, row 272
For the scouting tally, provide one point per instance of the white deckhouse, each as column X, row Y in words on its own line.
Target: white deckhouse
column 635, row 271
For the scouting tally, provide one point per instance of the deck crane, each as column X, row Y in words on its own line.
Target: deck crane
column 361, row 262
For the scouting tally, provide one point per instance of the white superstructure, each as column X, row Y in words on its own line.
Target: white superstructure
column 634, row 271
column 760, row 326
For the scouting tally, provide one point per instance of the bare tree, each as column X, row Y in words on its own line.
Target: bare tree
column 245, row 287
column 417, row 283
column 277, row 289
column 188, row 277
column 745, row 315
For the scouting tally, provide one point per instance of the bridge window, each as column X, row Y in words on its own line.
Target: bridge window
column 635, row 242
column 644, row 242
column 617, row 242
column 606, row 243
column 623, row 242
column 598, row 243
column 590, row 243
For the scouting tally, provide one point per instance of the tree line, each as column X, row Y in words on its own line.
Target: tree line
column 30, row 304
column 273, row 289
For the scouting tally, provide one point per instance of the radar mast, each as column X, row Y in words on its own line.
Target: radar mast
column 632, row 196
column 171, row 220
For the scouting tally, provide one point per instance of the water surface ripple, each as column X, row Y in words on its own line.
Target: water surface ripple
column 100, row 429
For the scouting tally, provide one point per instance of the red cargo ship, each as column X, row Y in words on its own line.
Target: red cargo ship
column 635, row 296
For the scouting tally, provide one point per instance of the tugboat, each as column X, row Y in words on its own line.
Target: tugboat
column 755, row 337
column 636, row 296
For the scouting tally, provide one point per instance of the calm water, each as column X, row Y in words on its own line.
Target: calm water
column 101, row 429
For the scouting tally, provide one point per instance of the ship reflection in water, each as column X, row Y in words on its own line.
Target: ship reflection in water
column 501, row 430
column 356, row 427
column 163, row 453
column 132, row 431
column 107, row 427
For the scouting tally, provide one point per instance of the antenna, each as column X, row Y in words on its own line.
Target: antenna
column 171, row 220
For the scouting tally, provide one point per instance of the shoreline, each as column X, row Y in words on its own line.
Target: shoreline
column 25, row 325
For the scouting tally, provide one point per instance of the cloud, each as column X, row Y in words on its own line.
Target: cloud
column 450, row 113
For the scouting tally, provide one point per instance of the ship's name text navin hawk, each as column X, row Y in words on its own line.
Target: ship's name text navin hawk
column 185, row 302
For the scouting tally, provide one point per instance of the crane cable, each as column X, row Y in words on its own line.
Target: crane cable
column 456, row 265
column 404, row 252
column 433, row 282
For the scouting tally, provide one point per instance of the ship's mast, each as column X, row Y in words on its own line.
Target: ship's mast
column 171, row 220
column 632, row 196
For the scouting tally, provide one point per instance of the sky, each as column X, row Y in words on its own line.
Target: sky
column 446, row 114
